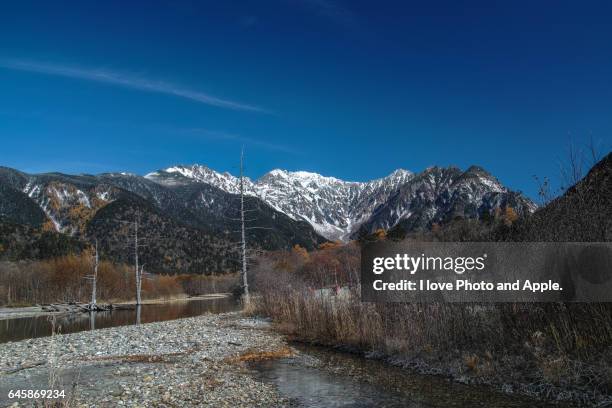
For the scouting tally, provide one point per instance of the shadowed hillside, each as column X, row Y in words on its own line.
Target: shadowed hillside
column 582, row 214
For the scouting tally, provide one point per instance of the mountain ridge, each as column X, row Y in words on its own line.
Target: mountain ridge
column 340, row 210
column 194, row 227
column 299, row 201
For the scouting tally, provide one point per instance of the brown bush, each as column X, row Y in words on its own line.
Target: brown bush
column 194, row 285
column 64, row 279
column 303, row 302
column 164, row 286
column 254, row 355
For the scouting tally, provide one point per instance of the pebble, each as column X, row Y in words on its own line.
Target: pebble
column 177, row 363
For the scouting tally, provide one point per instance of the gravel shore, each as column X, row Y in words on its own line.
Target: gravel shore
column 179, row 363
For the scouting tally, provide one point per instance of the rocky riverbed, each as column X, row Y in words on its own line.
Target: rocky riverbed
column 180, row 363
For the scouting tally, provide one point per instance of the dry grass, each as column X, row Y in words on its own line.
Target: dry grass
column 55, row 372
column 249, row 307
column 294, row 290
column 256, row 355
column 555, row 370
column 566, row 345
column 471, row 362
column 142, row 358
column 207, row 284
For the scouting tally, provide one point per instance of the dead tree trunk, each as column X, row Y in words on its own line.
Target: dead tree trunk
column 139, row 278
column 138, row 272
column 94, row 278
column 245, row 284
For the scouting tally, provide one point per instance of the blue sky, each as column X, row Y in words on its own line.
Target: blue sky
column 351, row 89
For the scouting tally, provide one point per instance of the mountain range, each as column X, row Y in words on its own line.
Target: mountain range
column 191, row 212
column 338, row 210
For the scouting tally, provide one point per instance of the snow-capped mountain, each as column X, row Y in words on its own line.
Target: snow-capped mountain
column 439, row 195
column 181, row 175
column 337, row 209
column 80, row 206
column 296, row 206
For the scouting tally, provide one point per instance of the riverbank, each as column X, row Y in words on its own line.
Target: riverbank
column 218, row 360
column 45, row 310
column 515, row 349
column 186, row 362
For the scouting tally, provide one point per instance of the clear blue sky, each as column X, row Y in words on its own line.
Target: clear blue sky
column 352, row 89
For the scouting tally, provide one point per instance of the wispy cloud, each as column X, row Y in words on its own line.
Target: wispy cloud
column 220, row 135
column 128, row 81
column 331, row 9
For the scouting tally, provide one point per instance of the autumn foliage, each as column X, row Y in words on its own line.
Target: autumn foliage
column 64, row 279
column 333, row 265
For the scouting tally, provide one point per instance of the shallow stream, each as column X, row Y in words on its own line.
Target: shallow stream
column 320, row 378
column 39, row 326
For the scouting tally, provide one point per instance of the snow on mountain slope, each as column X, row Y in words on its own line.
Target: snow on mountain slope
column 439, row 195
column 335, row 208
column 179, row 175
column 66, row 205
column 338, row 209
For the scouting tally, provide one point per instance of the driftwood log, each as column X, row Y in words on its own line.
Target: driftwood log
column 76, row 307
column 23, row 367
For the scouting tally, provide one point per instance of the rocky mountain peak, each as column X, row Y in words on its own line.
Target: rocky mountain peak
column 336, row 208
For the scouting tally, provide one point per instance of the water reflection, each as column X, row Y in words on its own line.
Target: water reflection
column 321, row 378
column 39, row 326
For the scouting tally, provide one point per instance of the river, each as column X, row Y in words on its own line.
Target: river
column 315, row 377
column 22, row 328
column 322, row 378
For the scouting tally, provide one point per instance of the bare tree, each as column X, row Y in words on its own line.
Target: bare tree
column 580, row 157
column 139, row 274
column 137, row 269
column 572, row 168
column 94, row 278
column 245, row 252
column 245, row 284
column 137, row 243
column 544, row 193
column 581, row 212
